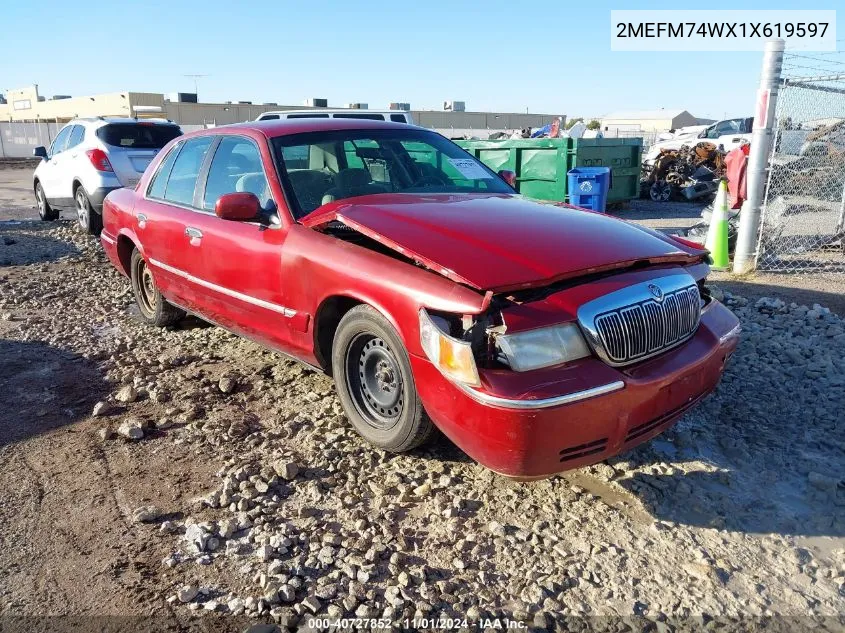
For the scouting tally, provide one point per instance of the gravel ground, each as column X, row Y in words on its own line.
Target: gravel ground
column 172, row 473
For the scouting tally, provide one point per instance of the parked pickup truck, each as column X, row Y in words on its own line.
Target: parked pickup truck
column 538, row 337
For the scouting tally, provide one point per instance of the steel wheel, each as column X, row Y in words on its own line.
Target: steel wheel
column 374, row 381
column 146, row 287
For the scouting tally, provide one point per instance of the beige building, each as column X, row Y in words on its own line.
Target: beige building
column 25, row 104
column 633, row 121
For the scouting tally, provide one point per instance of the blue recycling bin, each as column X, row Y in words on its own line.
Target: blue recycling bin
column 588, row 187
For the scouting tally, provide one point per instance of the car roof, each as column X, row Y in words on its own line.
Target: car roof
column 283, row 127
column 351, row 111
column 120, row 119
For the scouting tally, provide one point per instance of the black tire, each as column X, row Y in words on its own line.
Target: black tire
column 45, row 211
column 154, row 308
column 86, row 217
column 380, row 399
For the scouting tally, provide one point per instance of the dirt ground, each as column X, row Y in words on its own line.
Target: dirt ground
column 738, row 512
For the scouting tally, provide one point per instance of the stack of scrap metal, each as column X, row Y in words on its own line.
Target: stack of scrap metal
column 690, row 172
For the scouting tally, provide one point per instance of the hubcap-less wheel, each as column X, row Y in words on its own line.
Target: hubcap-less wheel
column 374, row 381
column 660, row 191
column 146, row 287
column 82, row 209
column 42, row 202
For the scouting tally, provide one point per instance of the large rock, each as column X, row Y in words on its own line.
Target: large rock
column 147, row 514
column 286, row 469
column 187, row 593
column 131, row 429
column 126, row 394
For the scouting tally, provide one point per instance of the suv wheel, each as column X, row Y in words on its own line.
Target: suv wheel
column 375, row 384
column 45, row 211
column 154, row 308
column 89, row 220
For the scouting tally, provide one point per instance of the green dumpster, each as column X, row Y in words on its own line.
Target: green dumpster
column 622, row 155
column 541, row 164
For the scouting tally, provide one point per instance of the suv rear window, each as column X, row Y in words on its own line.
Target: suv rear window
column 138, row 135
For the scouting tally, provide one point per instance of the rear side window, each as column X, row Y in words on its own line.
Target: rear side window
column 308, row 116
column 159, row 182
column 186, row 168
column 269, row 117
column 138, row 135
column 76, row 136
column 398, row 118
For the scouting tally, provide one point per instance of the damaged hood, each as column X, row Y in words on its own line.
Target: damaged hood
column 500, row 242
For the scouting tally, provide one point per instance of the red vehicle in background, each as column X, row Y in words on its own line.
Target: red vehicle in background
column 537, row 337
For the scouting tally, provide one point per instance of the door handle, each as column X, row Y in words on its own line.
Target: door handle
column 142, row 220
column 194, row 234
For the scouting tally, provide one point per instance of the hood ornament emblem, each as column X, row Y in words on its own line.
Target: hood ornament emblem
column 656, row 292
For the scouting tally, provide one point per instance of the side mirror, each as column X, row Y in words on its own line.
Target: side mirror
column 40, row 152
column 508, row 176
column 237, row 206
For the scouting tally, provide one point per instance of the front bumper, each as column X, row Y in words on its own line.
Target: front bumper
column 568, row 417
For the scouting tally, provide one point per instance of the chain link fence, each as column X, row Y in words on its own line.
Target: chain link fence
column 804, row 208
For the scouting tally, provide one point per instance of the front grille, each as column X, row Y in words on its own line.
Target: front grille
column 630, row 333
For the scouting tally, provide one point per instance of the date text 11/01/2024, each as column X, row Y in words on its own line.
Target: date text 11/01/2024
column 414, row 624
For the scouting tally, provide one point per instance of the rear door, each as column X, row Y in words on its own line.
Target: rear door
column 131, row 146
column 239, row 263
column 162, row 220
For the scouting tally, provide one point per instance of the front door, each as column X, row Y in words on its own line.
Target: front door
column 239, row 264
column 51, row 173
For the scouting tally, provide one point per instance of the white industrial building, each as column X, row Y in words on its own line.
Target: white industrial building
column 631, row 122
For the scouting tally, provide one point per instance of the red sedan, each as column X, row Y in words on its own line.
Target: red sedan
column 538, row 337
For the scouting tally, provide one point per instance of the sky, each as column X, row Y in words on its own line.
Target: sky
column 541, row 56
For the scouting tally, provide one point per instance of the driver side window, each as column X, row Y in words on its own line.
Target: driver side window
column 236, row 167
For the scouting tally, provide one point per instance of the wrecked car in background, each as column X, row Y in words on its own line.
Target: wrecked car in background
column 690, row 172
column 537, row 337
column 726, row 135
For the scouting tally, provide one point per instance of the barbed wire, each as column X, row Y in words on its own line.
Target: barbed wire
column 799, row 64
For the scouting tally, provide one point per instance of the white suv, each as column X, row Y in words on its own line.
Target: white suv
column 91, row 157
column 397, row 116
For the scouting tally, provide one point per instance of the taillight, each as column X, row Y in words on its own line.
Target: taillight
column 99, row 159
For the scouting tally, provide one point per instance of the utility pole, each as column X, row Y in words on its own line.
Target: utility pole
column 758, row 158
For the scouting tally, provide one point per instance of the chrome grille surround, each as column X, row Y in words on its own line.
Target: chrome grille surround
column 642, row 320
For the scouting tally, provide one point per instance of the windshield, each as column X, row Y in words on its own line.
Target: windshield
column 321, row 167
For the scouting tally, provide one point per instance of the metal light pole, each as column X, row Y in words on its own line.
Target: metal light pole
column 758, row 159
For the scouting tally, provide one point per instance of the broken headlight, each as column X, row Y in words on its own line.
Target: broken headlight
column 543, row 347
column 451, row 356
